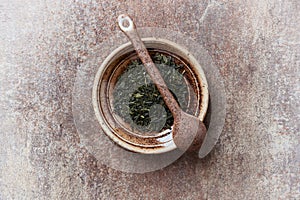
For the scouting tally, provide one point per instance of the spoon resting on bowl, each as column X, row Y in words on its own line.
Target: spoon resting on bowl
column 188, row 131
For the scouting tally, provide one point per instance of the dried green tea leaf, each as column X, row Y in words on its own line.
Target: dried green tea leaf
column 135, row 106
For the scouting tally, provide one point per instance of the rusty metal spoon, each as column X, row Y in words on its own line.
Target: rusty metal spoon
column 188, row 131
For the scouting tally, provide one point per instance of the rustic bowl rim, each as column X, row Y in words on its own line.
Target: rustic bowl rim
column 95, row 96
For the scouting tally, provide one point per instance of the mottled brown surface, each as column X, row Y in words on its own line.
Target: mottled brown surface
column 255, row 44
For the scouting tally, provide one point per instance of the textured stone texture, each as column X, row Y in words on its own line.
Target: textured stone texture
column 255, row 44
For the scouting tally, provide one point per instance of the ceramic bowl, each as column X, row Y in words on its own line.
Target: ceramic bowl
column 106, row 78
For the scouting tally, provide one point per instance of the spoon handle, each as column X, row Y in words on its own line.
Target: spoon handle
column 130, row 31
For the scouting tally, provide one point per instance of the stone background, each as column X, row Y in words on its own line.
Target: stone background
column 255, row 44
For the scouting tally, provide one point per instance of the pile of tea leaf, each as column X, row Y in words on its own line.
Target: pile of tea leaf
column 137, row 100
